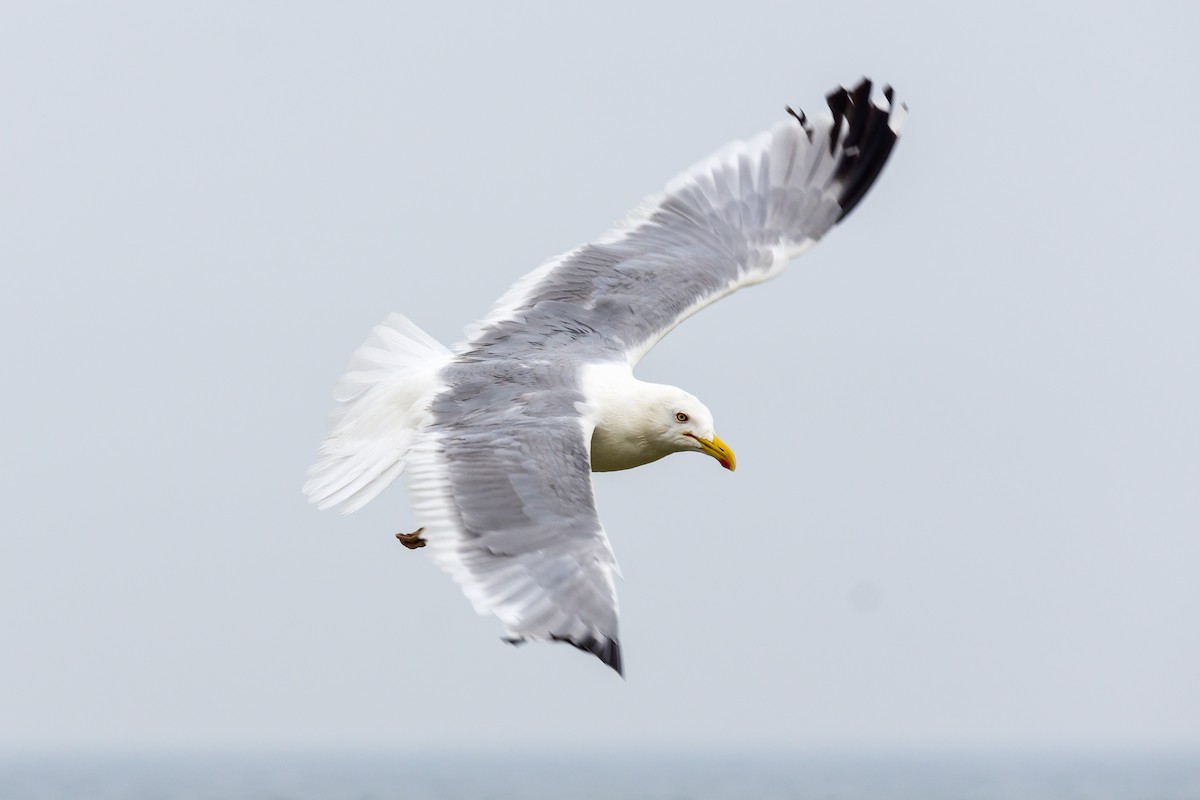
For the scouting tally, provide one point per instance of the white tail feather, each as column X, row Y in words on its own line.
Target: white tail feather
column 383, row 399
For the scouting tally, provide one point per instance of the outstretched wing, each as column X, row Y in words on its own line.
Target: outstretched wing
column 735, row 219
column 501, row 480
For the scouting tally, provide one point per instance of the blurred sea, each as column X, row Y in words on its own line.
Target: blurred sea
column 542, row 777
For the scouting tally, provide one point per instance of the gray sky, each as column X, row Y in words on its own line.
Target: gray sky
column 966, row 512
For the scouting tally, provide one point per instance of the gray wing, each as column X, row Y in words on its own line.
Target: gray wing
column 501, row 480
column 732, row 220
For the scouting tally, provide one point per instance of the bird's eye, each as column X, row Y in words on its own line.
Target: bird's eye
column 682, row 417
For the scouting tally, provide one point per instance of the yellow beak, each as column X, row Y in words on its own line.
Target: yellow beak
column 720, row 451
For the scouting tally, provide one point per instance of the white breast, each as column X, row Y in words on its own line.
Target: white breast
column 618, row 406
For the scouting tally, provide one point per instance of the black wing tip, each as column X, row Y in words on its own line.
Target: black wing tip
column 803, row 120
column 870, row 132
column 606, row 649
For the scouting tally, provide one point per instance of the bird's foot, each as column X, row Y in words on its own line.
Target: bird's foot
column 412, row 540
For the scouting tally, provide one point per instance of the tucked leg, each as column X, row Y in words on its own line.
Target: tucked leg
column 412, row 540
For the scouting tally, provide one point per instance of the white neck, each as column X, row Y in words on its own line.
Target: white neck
column 620, row 406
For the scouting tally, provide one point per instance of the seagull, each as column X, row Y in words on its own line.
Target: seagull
column 499, row 435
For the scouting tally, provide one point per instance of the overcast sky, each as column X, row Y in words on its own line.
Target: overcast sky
column 967, row 508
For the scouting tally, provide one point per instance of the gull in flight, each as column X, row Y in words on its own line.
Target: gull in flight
column 499, row 435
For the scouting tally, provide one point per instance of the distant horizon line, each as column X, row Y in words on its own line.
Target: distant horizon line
column 628, row 752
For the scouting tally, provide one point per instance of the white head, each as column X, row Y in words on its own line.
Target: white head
column 638, row 422
column 676, row 421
